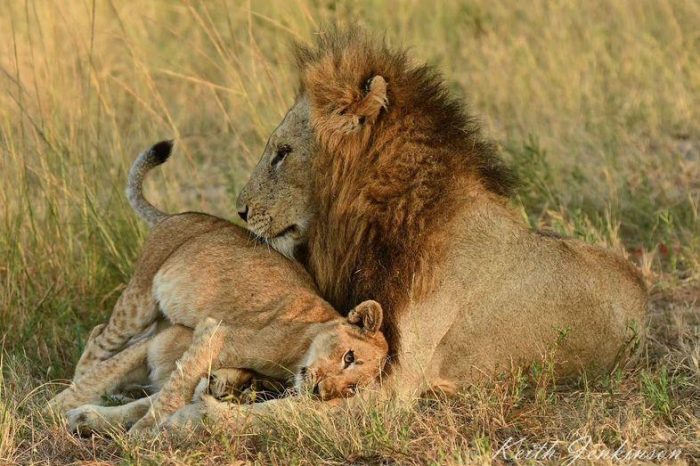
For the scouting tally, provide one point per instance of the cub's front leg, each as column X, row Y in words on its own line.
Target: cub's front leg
column 133, row 315
column 234, row 416
column 200, row 359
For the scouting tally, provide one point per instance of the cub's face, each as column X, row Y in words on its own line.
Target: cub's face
column 347, row 356
column 276, row 201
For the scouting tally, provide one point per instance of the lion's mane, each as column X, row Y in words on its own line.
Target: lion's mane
column 391, row 175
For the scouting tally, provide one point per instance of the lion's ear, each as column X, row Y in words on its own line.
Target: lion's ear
column 367, row 315
column 375, row 98
column 360, row 107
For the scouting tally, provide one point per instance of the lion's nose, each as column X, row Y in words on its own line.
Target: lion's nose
column 243, row 213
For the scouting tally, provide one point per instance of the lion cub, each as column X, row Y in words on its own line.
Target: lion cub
column 252, row 311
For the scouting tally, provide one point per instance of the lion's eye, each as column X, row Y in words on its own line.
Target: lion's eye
column 282, row 152
column 349, row 358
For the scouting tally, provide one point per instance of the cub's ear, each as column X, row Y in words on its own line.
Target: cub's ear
column 367, row 315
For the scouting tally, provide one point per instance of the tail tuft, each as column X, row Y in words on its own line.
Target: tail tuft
column 160, row 152
column 156, row 155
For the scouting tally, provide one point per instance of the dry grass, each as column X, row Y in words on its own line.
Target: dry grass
column 596, row 105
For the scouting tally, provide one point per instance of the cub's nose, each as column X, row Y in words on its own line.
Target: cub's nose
column 243, row 213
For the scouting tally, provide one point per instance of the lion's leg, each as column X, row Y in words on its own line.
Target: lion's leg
column 95, row 418
column 418, row 368
column 197, row 362
column 441, row 389
column 135, row 311
column 412, row 379
column 104, row 378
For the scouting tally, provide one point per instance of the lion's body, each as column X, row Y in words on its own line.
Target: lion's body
column 508, row 296
column 250, row 309
column 410, row 208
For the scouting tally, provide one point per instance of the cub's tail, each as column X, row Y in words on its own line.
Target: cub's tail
column 149, row 159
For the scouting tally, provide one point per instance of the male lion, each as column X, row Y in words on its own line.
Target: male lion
column 409, row 206
column 251, row 309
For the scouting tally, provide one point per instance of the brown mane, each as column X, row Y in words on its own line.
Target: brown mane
column 395, row 164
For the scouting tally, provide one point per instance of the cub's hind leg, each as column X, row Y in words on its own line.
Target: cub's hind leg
column 164, row 353
column 166, row 346
column 105, row 378
column 133, row 315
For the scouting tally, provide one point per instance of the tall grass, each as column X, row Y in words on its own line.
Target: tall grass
column 595, row 104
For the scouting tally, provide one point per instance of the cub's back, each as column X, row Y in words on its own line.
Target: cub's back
column 166, row 237
column 226, row 273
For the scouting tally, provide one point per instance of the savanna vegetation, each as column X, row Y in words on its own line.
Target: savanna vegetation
column 595, row 104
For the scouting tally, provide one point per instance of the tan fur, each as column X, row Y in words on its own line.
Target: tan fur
column 136, row 309
column 159, row 352
column 282, row 177
column 163, row 353
column 104, row 377
column 410, row 208
column 251, row 309
column 97, row 418
column 198, row 361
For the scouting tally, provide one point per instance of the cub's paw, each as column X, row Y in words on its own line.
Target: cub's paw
column 233, row 416
column 87, row 419
column 229, row 384
column 144, row 426
column 188, row 417
column 376, row 98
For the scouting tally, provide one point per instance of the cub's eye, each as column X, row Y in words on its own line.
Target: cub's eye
column 282, row 152
column 349, row 358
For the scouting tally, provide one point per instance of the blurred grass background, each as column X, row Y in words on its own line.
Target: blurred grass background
column 595, row 104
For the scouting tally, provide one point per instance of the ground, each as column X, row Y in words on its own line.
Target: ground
column 595, row 104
